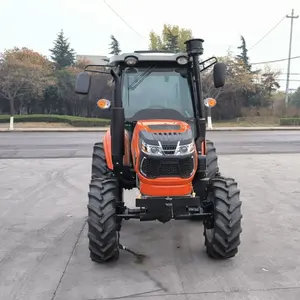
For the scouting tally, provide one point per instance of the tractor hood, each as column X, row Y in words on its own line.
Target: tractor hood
column 167, row 132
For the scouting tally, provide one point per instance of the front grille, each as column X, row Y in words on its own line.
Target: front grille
column 167, row 167
column 169, row 150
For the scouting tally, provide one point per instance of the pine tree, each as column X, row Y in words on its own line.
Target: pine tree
column 243, row 56
column 172, row 38
column 114, row 46
column 62, row 53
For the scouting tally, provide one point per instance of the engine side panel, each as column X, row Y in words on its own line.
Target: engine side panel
column 107, row 149
column 166, row 133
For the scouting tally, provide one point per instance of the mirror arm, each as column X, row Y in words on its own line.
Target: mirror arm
column 203, row 62
column 205, row 68
column 99, row 72
column 104, row 66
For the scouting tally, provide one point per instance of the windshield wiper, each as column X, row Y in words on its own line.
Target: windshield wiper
column 141, row 78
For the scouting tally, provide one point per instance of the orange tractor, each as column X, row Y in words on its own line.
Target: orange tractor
column 157, row 144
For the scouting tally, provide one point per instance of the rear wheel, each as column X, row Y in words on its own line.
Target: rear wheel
column 222, row 231
column 102, row 220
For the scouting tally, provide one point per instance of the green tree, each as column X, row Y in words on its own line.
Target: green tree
column 294, row 99
column 269, row 81
column 243, row 56
column 62, row 53
column 172, row 41
column 114, row 46
column 172, row 38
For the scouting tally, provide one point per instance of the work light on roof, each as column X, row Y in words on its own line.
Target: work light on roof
column 130, row 60
column 182, row 60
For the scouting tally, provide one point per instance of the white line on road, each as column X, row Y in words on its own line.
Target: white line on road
column 47, row 149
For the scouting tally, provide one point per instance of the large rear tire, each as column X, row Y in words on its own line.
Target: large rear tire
column 222, row 233
column 102, row 220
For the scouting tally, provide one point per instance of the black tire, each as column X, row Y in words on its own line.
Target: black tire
column 223, row 239
column 211, row 160
column 102, row 221
column 99, row 165
column 100, row 168
column 211, row 166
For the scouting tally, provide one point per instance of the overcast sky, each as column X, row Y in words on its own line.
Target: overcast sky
column 89, row 23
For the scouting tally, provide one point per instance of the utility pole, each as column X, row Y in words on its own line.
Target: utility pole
column 292, row 17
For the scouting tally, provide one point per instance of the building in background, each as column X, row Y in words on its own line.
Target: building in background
column 94, row 59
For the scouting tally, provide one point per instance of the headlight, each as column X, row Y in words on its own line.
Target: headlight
column 185, row 149
column 182, row 60
column 158, row 149
column 131, row 60
column 152, row 149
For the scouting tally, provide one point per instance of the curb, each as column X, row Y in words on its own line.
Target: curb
column 103, row 129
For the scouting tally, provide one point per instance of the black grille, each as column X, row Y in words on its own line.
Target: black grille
column 166, row 167
column 169, row 150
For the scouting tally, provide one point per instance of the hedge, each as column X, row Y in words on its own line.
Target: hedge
column 72, row 120
column 290, row 121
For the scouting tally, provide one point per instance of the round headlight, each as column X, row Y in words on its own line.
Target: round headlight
column 130, row 60
column 154, row 150
column 182, row 60
column 183, row 149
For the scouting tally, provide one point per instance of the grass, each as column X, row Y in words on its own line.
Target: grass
column 54, row 121
column 249, row 122
column 37, row 125
column 58, row 119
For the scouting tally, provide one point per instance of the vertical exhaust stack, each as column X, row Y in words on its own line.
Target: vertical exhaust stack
column 194, row 49
column 117, row 126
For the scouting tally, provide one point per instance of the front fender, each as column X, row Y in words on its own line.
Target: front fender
column 107, row 149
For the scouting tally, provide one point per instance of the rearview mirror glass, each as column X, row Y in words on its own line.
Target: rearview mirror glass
column 219, row 75
column 83, row 83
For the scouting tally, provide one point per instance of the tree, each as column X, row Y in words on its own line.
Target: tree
column 244, row 54
column 172, row 43
column 23, row 73
column 295, row 98
column 114, row 46
column 62, row 53
column 172, row 38
column 269, row 81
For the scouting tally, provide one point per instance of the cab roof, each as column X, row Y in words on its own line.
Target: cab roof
column 144, row 56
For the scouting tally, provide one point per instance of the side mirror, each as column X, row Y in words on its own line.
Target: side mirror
column 219, row 74
column 83, row 83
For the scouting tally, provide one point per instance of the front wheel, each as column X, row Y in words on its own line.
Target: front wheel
column 102, row 220
column 222, row 231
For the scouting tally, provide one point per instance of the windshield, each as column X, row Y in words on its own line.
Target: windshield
column 156, row 88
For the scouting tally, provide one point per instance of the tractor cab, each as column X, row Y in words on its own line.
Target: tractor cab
column 157, row 85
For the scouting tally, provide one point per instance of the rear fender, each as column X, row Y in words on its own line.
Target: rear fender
column 107, row 149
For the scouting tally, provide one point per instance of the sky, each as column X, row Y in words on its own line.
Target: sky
column 89, row 23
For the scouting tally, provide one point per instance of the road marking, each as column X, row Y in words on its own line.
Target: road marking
column 47, row 149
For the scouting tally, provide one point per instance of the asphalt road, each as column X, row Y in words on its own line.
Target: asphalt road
column 55, row 145
column 43, row 233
